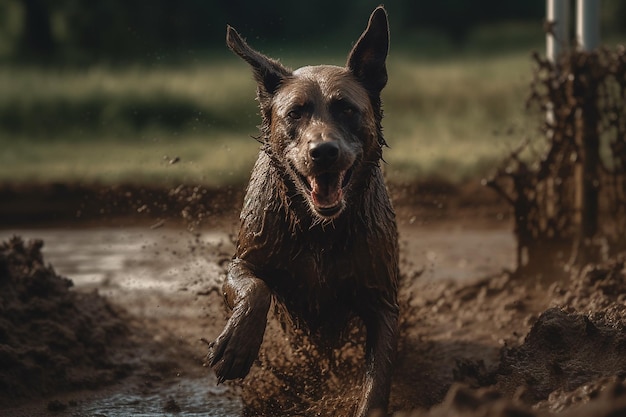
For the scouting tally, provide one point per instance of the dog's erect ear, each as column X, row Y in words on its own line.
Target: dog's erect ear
column 367, row 58
column 268, row 72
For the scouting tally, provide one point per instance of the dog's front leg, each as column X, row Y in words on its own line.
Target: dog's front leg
column 232, row 354
column 381, row 345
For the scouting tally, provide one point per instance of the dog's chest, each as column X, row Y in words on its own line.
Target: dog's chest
column 319, row 263
column 321, row 281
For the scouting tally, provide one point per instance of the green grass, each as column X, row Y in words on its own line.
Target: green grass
column 455, row 119
column 213, row 161
column 447, row 117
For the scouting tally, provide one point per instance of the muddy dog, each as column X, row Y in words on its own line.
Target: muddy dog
column 318, row 231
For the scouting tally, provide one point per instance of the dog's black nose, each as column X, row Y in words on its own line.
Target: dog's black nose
column 324, row 154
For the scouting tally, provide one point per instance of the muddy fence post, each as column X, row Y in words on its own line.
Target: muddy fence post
column 586, row 82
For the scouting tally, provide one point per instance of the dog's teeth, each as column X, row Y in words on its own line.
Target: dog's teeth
column 312, row 184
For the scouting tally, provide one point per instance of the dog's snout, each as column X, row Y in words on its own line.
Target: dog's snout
column 325, row 153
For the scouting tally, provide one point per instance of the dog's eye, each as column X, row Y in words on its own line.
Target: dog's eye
column 295, row 114
column 348, row 111
column 344, row 109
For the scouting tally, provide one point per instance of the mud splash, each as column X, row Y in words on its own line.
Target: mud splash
column 571, row 360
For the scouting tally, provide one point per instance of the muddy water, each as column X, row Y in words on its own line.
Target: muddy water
column 457, row 253
column 188, row 397
column 159, row 274
column 151, row 273
column 121, row 262
column 134, row 259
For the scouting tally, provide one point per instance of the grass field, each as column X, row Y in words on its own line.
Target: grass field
column 448, row 117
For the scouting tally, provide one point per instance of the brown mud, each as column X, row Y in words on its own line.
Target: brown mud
column 497, row 345
column 45, row 328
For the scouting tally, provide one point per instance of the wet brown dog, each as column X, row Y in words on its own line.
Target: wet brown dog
column 318, row 231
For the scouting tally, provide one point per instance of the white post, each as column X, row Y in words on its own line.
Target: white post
column 557, row 41
column 588, row 24
column 557, row 37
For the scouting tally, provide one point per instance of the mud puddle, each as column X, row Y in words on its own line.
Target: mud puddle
column 136, row 259
column 166, row 279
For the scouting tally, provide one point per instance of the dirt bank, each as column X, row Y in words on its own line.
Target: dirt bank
column 41, row 205
column 52, row 338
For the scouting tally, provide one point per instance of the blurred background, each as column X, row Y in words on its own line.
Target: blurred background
column 127, row 91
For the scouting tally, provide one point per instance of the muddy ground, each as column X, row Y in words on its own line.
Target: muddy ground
column 493, row 345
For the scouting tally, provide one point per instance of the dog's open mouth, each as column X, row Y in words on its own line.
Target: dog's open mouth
column 326, row 191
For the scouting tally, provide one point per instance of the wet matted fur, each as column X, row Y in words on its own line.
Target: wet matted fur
column 318, row 231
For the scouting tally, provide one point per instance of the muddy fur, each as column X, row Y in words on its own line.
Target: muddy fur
column 318, row 232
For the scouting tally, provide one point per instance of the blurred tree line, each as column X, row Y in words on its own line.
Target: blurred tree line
column 114, row 30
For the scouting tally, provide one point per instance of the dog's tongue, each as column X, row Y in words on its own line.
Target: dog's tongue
column 326, row 189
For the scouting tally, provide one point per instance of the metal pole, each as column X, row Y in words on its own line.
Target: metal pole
column 588, row 24
column 557, row 35
column 587, row 131
column 557, row 41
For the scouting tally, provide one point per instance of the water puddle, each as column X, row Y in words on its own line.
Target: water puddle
column 189, row 397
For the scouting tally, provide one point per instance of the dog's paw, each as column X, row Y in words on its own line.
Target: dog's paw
column 232, row 354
